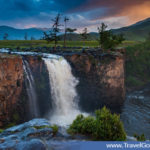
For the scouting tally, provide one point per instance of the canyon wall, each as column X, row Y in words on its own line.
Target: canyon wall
column 102, row 80
column 11, row 84
column 42, row 87
column 101, row 83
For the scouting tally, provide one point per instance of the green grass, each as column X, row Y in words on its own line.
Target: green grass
column 42, row 43
column 53, row 127
column 129, row 43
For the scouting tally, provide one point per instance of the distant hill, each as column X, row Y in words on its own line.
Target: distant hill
column 138, row 31
column 18, row 34
column 77, row 37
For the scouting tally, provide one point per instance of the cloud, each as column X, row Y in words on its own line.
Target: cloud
column 83, row 13
column 135, row 10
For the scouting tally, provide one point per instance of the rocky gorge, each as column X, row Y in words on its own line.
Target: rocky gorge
column 57, row 88
column 101, row 82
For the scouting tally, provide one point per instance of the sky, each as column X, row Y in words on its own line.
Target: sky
column 82, row 13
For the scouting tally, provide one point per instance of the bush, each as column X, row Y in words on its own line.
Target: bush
column 82, row 125
column 104, row 126
column 1, row 130
column 55, row 129
column 140, row 137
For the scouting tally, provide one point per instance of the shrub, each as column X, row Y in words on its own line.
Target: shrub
column 55, row 129
column 82, row 125
column 1, row 130
column 140, row 137
column 42, row 127
column 104, row 126
column 75, row 127
column 108, row 126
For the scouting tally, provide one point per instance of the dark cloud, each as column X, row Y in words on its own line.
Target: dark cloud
column 24, row 13
column 22, row 8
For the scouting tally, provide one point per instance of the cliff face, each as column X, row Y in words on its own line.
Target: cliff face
column 102, row 80
column 42, row 87
column 11, row 82
column 101, row 83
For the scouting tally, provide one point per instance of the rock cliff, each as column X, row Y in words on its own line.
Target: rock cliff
column 102, row 80
column 11, row 83
column 101, row 83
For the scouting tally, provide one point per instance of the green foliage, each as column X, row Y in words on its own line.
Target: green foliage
column 43, row 43
column 41, row 127
column 137, row 64
column 105, row 126
column 107, row 39
column 10, row 125
column 140, row 137
column 55, row 129
column 82, row 125
column 1, row 130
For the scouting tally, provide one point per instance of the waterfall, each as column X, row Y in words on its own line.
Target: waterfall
column 63, row 90
column 30, row 87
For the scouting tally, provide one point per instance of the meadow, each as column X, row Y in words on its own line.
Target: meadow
column 42, row 43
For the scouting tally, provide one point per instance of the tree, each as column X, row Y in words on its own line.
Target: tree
column 65, row 20
column 84, row 35
column 53, row 35
column 5, row 37
column 26, row 36
column 107, row 39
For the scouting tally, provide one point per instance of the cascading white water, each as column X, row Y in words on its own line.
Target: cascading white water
column 63, row 89
column 30, row 87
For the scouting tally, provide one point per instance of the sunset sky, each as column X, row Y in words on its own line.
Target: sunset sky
column 82, row 13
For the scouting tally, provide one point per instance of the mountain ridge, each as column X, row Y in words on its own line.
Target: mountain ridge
column 138, row 31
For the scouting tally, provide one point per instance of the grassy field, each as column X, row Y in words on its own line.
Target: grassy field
column 41, row 43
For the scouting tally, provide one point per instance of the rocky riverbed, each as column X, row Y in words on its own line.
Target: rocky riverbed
column 38, row 134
